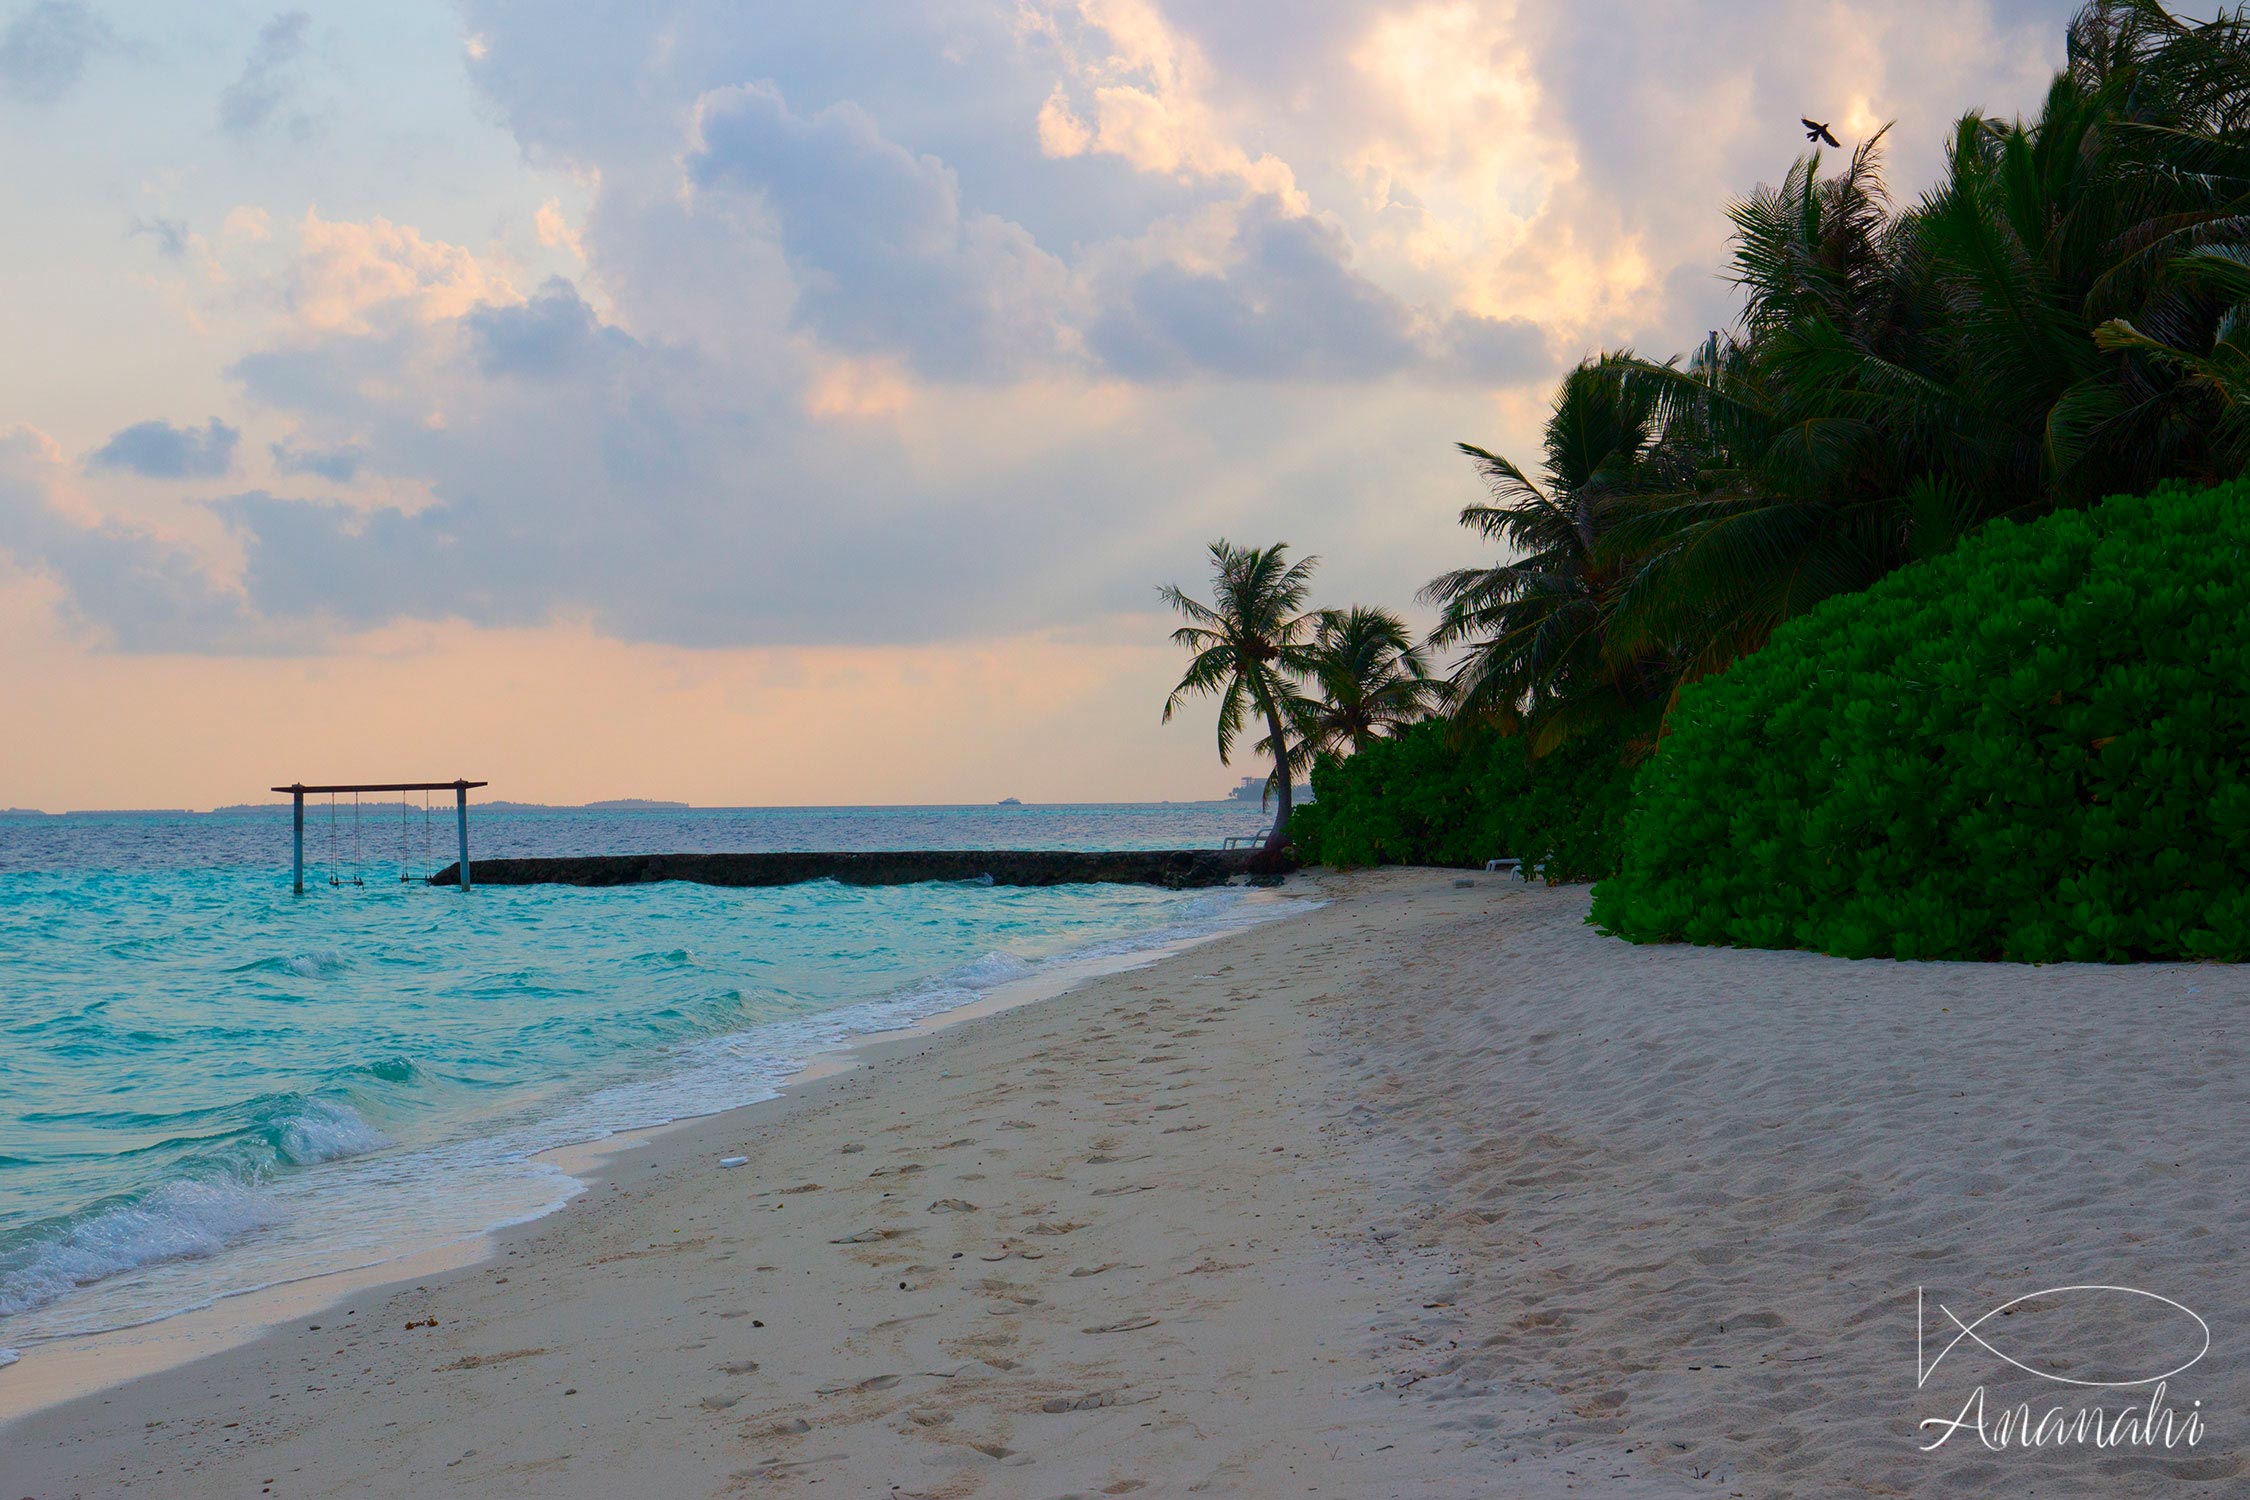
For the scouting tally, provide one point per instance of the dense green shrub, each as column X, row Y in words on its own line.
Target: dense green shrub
column 1434, row 797
column 2031, row 748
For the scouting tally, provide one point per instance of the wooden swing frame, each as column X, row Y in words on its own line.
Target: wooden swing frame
column 298, row 789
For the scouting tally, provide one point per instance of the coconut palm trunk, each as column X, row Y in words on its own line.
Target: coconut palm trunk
column 1285, row 792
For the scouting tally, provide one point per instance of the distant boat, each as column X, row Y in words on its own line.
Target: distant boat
column 1011, row 801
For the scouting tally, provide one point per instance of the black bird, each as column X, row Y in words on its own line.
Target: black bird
column 1815, row 131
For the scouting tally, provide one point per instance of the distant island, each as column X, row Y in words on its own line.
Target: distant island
column 614, row 804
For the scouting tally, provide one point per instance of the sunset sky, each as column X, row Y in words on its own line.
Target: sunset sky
column 784, row 402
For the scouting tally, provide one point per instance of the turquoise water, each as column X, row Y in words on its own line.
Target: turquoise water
column 208, row 1085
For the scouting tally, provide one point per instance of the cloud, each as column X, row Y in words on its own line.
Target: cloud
column 141, row 591
column 885, row 256
column 171, row 235
column 45, row 49
column 1287, row 304
column 341, row 463
column 158, row 450
column 350, row 276
column 1148, row 93
column 898, row 320
column 547, row 335
column 269, row 80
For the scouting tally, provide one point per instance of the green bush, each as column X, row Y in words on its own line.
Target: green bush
column 2030, row 748
column 1431, row 797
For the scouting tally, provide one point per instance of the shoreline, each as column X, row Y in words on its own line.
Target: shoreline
column 59, row 1370
column 1431, row 1192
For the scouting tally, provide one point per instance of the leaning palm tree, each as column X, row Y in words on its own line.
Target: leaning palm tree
column 1250, row 647
column 1534, row 625
column 1369, row 679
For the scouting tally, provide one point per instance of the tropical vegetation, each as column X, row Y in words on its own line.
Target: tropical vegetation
column 1249, row 648
column 2036, row 747
column 2063, row 317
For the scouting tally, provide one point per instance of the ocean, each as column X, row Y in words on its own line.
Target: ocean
column 210, row 1086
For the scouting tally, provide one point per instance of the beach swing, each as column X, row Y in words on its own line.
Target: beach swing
column 298, row 791
column 334, row 876
column 406, row 871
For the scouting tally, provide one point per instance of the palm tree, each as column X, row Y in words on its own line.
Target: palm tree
column 1371, row 679
column 1535, row 624
column 1250, row 647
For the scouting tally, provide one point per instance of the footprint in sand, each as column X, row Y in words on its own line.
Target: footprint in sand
column 910, row 1167
column 720, row 1402
column 1095, row 1270
column 873, row 1236
column 740, row 1367
column 1019, row 1254
column 953, row 1206
column 1055, row 1226
column 1124, row 1325
column 1130, row 1187
column 1091, row 1401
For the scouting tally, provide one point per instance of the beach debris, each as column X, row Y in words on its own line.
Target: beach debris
column 853, row 1148
column 871, row 1383
column 738, row 1367
column 873, row 1236
column 1095, row 1270
column 1123, row 1325
column 953, row 1206
column 733, row 1161
column 1055, row 1226
column 1091, row 1401
column 1130, row 1187
column 481, row 1361
column 1020, row 1254
column 1463, row 885
column 421, row 1323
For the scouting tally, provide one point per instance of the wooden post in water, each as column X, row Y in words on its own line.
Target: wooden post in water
column 461, row 823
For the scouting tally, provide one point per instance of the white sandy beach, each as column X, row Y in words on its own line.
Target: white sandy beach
column 1433, row 1192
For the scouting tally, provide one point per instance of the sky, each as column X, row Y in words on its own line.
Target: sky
column 769, row 403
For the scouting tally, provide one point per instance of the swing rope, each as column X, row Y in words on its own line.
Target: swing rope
column 332, row 880
column 357, row 879
column 404, row 824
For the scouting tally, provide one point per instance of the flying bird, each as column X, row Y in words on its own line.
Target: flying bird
column 1815, row 131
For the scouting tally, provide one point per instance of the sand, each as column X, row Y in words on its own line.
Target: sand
column 1432, row 1192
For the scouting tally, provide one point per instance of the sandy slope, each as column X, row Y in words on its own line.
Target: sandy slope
column 1431, row 1193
